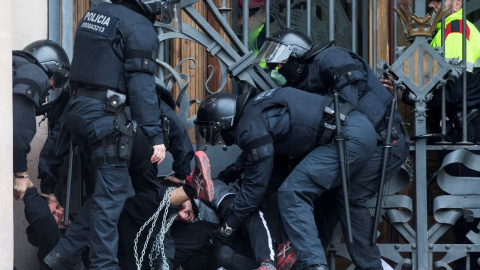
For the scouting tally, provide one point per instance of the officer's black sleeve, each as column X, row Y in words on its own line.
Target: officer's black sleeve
column 239, row 162
column 24, row 128
column 179, row 143
column 56, row 146
column 140, row 49
column 258, row 153
column 41, row 219
column 254, row 186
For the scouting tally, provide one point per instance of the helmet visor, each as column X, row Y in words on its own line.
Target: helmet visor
column 171, row 15
column 60, row 76
column 206, row 134
column 273, row 53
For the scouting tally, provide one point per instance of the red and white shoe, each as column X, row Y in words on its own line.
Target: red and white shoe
column 286, row 256
column 201, row 178
column 266, row 266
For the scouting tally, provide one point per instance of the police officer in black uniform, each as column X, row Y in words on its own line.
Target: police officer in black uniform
column 284, row 122
column 326, row 68
column 113, row 64
column 149, row 191
column 40, row 75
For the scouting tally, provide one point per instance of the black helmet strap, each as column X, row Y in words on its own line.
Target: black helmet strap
column 294, row 71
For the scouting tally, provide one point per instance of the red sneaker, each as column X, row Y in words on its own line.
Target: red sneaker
column 201, row 179
column 286, row 256
column 266, row 266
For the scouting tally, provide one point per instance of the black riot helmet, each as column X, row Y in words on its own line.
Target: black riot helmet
column 169, row 11
column 288, row 47
column 215, row 116
column 52, row 58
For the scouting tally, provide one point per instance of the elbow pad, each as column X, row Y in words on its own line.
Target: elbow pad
column 347, row 74
column 139, row 61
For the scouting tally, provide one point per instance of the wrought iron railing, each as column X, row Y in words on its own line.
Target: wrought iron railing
column 419, row 68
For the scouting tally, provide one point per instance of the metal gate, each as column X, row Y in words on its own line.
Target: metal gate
column 421, row 218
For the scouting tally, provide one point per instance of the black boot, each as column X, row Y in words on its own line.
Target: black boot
column 55, row 261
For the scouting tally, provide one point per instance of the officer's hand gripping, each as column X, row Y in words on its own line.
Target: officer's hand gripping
column 158, row 154
column 219, row 238
column 230, row 174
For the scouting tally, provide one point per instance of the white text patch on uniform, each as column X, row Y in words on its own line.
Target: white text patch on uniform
column 264, row 95
column 97, row 23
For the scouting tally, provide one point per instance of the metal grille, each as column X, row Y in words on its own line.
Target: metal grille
column 419, row 67
column 422, row 218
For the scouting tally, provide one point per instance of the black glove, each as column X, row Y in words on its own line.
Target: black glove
column 230, row 174
column 219, row 238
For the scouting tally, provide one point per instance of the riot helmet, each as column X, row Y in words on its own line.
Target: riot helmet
column 215, row 116
column 169, row 11
column 52, row 58
column 283, row 45
column 289, row 48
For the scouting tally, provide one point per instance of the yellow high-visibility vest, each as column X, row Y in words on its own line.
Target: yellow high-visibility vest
column 454, row 39
column 252, row 43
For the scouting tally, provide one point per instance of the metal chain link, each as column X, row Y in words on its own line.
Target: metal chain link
column 158, row 246
column 153, row 219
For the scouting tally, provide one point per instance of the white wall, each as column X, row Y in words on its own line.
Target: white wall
column 6, row 215
column 29, row 22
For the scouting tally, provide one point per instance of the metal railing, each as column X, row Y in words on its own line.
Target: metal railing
column 418, row 244
column 418, row 66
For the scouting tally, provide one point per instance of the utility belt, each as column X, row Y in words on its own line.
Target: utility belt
column 328, row 130
column 117, row 149
column 329, row 127
column 114, row 101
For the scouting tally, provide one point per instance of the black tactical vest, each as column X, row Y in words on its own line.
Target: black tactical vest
column 334, row 68
column 306, row 118
column 374, row 99
column 99, row 56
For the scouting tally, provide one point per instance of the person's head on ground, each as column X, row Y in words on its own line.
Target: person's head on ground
column 186, row 214
column 57, row 211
